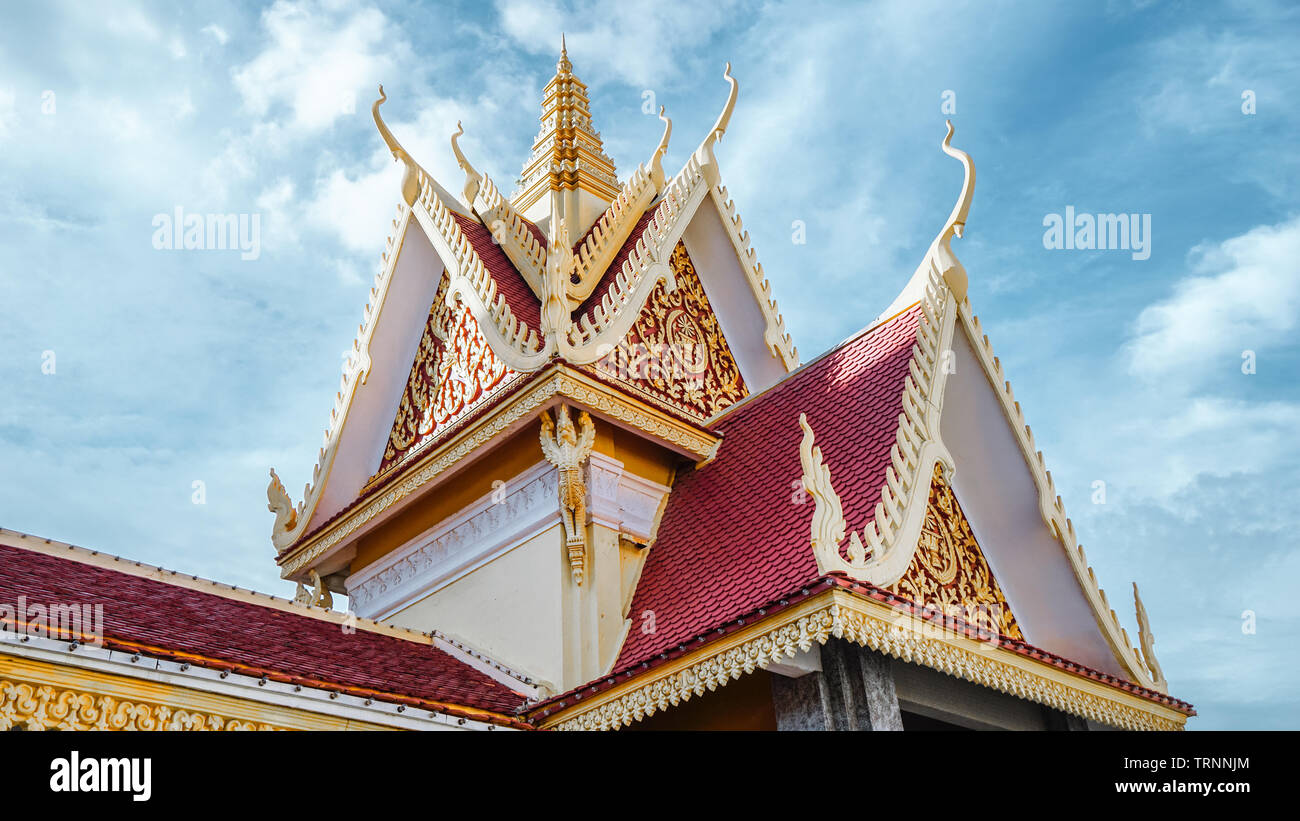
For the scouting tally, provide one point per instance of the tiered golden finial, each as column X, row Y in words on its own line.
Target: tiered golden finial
column 568, row 159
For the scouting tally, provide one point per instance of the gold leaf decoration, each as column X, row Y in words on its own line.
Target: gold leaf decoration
column 675, row 355
column 949, row 573
column 454, row 371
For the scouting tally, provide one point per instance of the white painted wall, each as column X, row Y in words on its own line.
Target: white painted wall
column 998, row 494
column 731, row 296
column 510, row 608
column 398, row 330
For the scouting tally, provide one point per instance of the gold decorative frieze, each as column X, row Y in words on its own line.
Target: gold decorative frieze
column 561, row 382
column 31, row 706
column 949, row 573
column 848, row 616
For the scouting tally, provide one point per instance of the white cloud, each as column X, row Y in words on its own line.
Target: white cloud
column 217, row 33
column 1245, row 296
column 356, row 210
column 318, row 63
column 641, row 43
column 277, row 206
column 7, row 114
column 1179, row 440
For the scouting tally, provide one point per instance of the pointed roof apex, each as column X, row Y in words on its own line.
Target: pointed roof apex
column 568, row 155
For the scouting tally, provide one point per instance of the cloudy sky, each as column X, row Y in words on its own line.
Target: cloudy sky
column 130, row 373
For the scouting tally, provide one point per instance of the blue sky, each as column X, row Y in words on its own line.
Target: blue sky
column 171, row 367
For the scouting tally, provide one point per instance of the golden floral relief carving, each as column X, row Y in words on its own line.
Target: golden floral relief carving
column 41, row 707
column 949, row 573
column 454, row 371
column 675, row 353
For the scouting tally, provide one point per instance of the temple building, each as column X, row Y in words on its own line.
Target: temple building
column 578, row 477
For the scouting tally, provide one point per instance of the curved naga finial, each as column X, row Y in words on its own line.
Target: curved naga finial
column 410, row 179
column 286, row 516
column 656, row 161
column 952, row 271
column 720, row 127
column 704, row 154
column 473, row 179
column 317, row 596
column 1148, row 643
column 828, row 524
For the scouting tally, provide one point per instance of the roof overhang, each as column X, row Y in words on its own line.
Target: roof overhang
column 872, row 618
column 558, row 383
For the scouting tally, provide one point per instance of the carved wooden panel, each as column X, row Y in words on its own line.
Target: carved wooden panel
column 949, row 572
column 454, row 371
column 675, row 355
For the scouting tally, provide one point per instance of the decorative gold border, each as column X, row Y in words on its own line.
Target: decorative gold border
column 842, row 614
column 562, row 382
column 36, row 695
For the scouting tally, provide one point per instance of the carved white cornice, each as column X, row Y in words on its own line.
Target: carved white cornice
column 622, row 501
column 290, row 523
column 485, row 529
column 511, row 232
column 775, row 336
column 511, row 338
column 941, row 272
column 1142, row 666
column 882, row 628
column 885, row 549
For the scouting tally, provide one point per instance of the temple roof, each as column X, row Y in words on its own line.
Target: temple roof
column 732, row 537
column 564, row 282
column 223, row 628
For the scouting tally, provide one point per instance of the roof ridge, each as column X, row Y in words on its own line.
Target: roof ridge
column 457, row 648
column 730, row 410
column 120, row 564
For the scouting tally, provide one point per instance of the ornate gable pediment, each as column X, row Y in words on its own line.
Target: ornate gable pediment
column 675, row 354
column 949, row 573
column 455, row 371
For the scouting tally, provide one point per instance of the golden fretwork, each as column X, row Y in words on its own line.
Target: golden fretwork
column 42, row 707
column 454, row 370
column 676, row 354
column 949, row 572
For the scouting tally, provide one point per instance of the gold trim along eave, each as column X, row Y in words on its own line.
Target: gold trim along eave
column 843, row 614
column 557, row 382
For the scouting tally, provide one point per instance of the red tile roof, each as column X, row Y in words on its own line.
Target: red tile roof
column 732, row 537
column 795, row 596
column 165, row 620
column 607, row 279
column 519, row 295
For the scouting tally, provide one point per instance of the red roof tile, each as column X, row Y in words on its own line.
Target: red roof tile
column 732, row 537
column 226, row 633
column 607, row 279
column 519, row 295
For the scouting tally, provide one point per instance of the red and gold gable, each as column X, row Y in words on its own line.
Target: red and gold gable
column 949, row 573
column 675, row 355
column 454, row 372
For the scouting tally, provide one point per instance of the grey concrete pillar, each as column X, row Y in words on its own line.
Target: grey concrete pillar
column 853, row 691
column 1058, row 721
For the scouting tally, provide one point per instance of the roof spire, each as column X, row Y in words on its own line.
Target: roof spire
column 568, row 157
